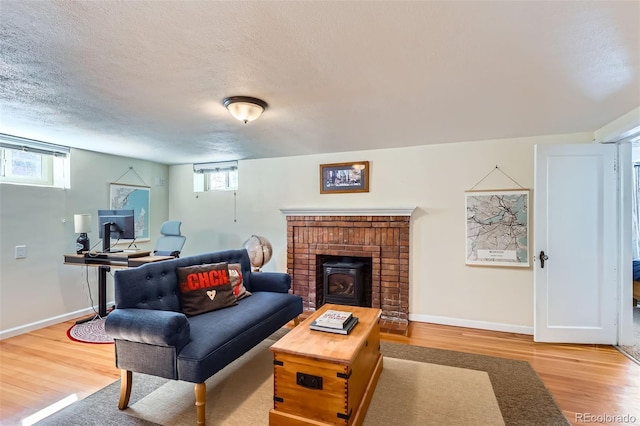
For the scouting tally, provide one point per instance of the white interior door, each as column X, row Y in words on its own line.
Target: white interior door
column 575, row 288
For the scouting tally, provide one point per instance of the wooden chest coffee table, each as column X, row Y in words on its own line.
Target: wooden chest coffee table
column 324, row 378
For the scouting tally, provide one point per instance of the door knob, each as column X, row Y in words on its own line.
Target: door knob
column 543, row 257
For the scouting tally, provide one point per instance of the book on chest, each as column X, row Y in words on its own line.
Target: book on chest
column 334, row 318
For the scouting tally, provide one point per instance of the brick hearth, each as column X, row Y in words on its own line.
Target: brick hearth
column 383, row 238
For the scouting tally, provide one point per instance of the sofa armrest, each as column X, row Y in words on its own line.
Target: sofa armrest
column 270, row 281
column 154, row 327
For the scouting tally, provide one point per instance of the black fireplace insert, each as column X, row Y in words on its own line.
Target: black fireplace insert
column 343, row 283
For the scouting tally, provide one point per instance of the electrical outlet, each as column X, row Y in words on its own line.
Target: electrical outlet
column 21, row 252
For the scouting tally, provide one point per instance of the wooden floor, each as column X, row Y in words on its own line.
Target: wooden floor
column 40, row 368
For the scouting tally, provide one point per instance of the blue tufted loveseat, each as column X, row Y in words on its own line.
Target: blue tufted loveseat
column 153, row 337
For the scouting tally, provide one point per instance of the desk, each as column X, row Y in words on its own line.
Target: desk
column 104, row 262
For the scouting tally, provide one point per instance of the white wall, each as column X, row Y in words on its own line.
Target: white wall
column 40, row 290
column 432, row 178
column 619, row 129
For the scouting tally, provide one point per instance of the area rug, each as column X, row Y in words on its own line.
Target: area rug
column 518, row 392
column 89, row 332
column 633, row 351
column 408, row 392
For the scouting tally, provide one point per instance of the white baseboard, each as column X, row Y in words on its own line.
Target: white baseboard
column 482, row 325
column 457, row 322
column 5, row 334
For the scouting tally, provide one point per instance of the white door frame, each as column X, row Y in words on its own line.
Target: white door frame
column 625, row 273
column 623, row 132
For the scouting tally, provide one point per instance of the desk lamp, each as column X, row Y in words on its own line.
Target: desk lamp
column 82, row 225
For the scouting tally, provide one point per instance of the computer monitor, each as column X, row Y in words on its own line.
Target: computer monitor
column 119, row 222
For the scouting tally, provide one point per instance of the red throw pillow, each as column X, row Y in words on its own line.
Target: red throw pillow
column 235, row 276
column 205, row 288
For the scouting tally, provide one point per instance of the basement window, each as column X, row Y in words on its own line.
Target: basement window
column 30, row 162
column 220, row 176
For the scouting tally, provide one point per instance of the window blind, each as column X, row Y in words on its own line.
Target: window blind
column 215, row 167
column 31, row 145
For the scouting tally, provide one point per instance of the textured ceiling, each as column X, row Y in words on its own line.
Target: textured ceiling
column 147, row 79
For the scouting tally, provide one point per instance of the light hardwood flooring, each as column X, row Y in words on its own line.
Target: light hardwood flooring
column 42, row 367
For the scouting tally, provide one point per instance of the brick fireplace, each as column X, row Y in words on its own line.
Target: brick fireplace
column 380, row 234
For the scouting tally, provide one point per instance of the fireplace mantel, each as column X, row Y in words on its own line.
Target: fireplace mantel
column 310, row 211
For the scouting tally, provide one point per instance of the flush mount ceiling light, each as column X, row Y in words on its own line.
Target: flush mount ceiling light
column 244, row 108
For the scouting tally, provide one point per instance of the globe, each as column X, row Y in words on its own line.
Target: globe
column 259, row 249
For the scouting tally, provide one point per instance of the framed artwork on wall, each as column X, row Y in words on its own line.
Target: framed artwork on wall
column 123, row 196
column 497, row 228
column 338, row 178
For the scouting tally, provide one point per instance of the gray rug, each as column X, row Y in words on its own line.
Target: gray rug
column 633, row 351
column 522, row 397
column 408, row 392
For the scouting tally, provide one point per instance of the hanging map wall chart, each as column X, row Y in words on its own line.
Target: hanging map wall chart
column 497, row 228
column 133, row 197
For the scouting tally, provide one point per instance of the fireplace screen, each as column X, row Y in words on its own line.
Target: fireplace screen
column 343, row 283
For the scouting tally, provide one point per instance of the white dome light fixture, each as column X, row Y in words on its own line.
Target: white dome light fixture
column 245, row 108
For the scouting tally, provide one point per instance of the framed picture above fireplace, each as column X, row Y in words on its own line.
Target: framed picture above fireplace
column 340, row 178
